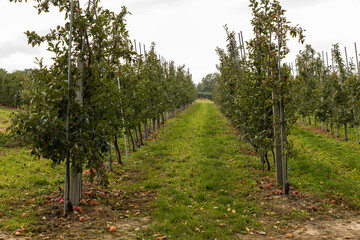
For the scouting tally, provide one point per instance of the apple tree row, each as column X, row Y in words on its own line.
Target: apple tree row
column 327, row 88
column 253, row 89
column 111, row 89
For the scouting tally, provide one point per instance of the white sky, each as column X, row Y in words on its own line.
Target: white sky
column 186, row 31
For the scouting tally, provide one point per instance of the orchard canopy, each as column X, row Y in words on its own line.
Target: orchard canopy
column 108, row 90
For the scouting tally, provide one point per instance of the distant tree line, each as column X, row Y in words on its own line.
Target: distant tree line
column 205, row 87
column 10, row 87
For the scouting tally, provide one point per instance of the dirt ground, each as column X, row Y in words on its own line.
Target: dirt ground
column 127, row 211
column 347, row 226
column 127, row 214
column 303, row 216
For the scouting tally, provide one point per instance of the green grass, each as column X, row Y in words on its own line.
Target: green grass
column 197, row 176
column 326, row 165
column 352, row 141
column 23, row 182
column 5, row 117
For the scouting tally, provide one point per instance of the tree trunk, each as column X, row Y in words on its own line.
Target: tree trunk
column 140, row 134
column 309, row 121
column 283, row 142
column 346, row 131
column 75, row 184
column 137, row 141
column 132, row 141
column 110, row 160
column 158, row 121
column 128, row 141
column 67, row 204
column 76, row 169
column 322, row 125
column 150, row 127
column 154, row 124
column 145, row 130
column 162, row 119
column 267, row 161
column 277, row 141
column 117, row 151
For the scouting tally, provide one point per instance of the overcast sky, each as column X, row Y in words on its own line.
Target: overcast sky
column 185, row 31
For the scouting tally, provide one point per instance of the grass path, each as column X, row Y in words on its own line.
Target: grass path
column 194, row 165
column 327, row 165
column 209, row 189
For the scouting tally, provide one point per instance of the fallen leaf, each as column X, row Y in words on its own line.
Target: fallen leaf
column 262, row 233
column 222, row 224
column 19, row 234
column 289, row 235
